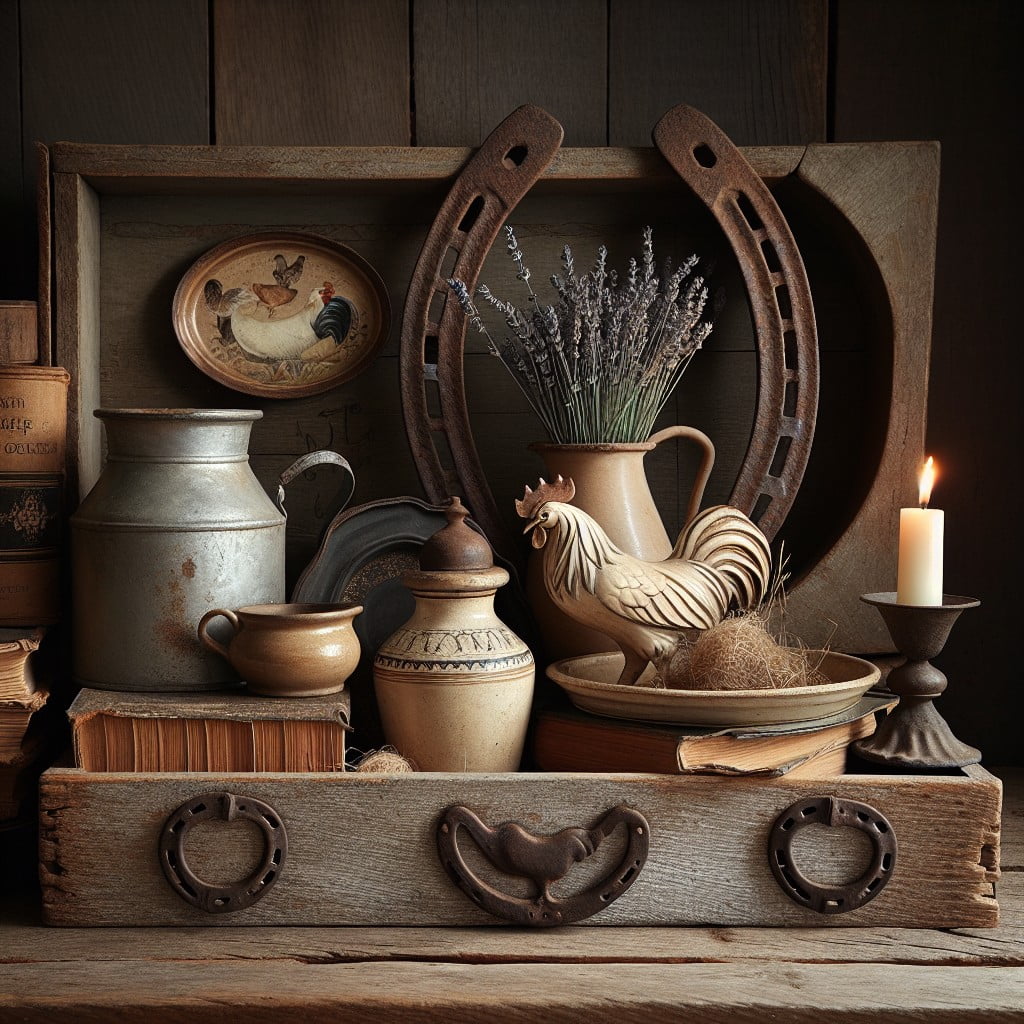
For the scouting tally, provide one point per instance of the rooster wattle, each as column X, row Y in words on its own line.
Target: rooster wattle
column 720, row 561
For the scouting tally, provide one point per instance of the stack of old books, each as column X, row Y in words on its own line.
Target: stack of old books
column 33, row 419
column 569, row 740
column 22, row 740
column 208, row 732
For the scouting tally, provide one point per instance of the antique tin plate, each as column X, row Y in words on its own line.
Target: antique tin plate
column 281, row 314
column 589, row 681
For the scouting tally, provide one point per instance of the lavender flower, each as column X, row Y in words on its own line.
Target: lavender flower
column 600, row 364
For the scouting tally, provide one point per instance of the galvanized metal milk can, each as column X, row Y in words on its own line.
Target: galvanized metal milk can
column 176, row 524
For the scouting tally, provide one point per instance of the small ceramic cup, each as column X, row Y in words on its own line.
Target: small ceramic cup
column 289, row 650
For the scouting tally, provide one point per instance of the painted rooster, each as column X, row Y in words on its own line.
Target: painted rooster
column 289, row 337
column 721, row 560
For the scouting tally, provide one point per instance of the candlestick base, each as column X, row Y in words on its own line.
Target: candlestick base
column 915, row 735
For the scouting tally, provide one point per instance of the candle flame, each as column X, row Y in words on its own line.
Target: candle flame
column 927, row 482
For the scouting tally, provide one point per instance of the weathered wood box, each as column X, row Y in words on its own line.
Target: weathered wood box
column 127, row 222
column 364, row 849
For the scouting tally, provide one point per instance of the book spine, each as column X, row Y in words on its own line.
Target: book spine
column 33, row 427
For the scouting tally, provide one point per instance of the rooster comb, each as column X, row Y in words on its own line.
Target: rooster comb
column 560, row 490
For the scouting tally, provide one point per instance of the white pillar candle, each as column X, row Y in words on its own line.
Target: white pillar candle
column 919, row 574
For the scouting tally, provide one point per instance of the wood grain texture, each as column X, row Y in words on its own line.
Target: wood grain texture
column 121, row 71
column 890, row 200
column 952, row 72
column 803, row 974
column 423, row 992
column 323, row 72
column 19, row 332
column 17, row 275
column 756, row 68
column 477, row 60
column 939, row 880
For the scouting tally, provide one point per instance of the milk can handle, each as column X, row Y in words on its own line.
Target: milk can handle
column 323, row 457
column 707, row 461
column 204, row 635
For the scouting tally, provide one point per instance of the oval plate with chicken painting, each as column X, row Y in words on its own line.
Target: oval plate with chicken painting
column 281, row 314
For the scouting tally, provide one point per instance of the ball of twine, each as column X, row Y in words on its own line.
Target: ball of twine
column 740, row 654
column 387, row 760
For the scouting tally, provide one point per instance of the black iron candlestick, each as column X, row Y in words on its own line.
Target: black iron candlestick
column 915, row 735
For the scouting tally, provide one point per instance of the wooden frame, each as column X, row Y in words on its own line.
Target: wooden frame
column 877, row 203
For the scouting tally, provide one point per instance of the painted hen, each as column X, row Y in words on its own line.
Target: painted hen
column 290, row 337
column 721, row 560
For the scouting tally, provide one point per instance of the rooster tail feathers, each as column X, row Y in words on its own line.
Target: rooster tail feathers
column 335, row 319
column 723, row 537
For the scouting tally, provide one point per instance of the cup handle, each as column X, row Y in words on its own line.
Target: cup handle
column 707, row 461
column 204, row 634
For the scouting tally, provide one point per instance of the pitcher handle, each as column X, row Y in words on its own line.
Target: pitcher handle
column 322, row 457
column 707, row 461
column 204, row 633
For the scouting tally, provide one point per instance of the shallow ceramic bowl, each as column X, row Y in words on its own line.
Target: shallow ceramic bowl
column 590, row 682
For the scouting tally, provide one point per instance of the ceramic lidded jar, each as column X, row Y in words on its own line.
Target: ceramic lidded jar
column 454, row 684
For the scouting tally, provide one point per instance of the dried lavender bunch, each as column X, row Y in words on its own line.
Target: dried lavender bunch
column 599, row 365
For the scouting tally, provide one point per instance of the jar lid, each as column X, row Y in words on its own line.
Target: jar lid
column 457, row 546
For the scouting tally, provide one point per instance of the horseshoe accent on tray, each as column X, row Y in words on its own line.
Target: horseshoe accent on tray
column 222, row 806
column 487, row 189
column 544, row 860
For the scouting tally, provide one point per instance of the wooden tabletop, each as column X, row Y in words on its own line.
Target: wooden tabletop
column 500, row 974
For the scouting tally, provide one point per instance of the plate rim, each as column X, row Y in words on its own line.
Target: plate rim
column 184, row 302
column 664, row 698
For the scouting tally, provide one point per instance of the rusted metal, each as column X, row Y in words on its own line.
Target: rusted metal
column 544, row 860
column 487, row 189
column 780, row 301
column 827, row 810
column 222, row 899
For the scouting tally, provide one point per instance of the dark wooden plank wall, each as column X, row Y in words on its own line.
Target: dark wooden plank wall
column 441, row 72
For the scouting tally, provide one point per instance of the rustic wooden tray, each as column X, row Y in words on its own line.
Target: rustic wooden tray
column 363, row 849
column 128, row 221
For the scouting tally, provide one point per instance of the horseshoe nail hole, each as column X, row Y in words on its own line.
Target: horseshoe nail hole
column 515, row 156
column 746, row 207
column 861, row 816
column 268, row 878
column 782, row 301
column 276, row 859
column 882, row 827
column 224, row 852
column 760, row 507
column 177, row 826
column 197, row 809
column 431, row 350
column 886, row 861
column 472, row 213
column 789, row 401
column 627, row 875
column 606, row 896
column 437, row 301
column 831, row 856
column 704, row 155
column 808, row 811
column 789, row 347
column 788, row 824
column 833, row 903
column 219, row 902
column 172, row 858
column 771, row 257
column 874, row 884
column 451, row 256
column 781, row 454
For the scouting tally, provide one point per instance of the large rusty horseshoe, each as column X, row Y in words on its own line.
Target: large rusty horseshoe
column 487, row 189
column 780, row 300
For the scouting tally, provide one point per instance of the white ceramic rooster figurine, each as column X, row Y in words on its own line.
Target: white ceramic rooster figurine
column 720, row 561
